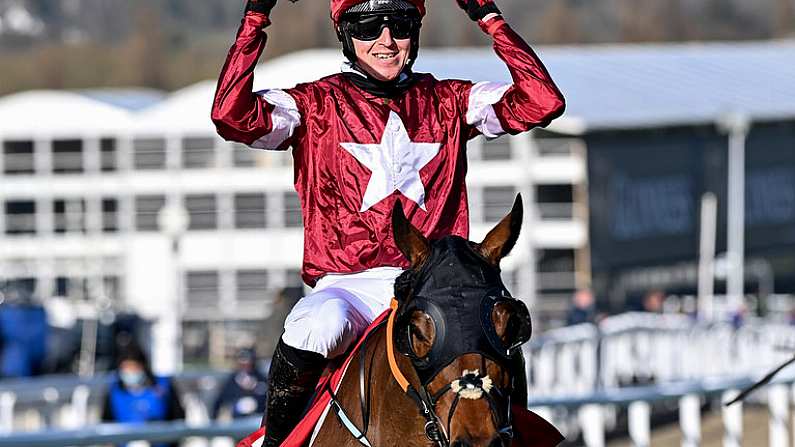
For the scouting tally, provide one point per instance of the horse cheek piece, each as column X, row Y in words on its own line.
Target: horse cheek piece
column 456, row 284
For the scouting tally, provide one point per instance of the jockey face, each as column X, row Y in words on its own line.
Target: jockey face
column 384, row 57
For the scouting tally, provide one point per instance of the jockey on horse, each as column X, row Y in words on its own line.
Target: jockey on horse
column 373, row 134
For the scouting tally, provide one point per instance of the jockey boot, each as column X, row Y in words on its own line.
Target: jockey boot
column 519, row 394
column 293, row 375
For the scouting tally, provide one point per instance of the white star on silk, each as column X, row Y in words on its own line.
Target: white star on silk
column 395, row 164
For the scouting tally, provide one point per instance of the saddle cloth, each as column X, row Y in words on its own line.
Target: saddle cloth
column 530, row 430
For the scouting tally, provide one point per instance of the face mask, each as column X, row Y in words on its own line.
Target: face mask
column 132, row 378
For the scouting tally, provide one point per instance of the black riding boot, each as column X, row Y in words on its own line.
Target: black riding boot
column 293, row 375
column 519, row 394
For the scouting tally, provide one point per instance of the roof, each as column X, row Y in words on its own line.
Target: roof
column 606, row 86
column 636, row 86
column 132, row 99
column 186, row 110
column 59, row 114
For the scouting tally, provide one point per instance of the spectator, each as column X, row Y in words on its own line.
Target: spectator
column 244, row 393
column 583, row 309
column 653, row 301
column 739, row 316
column 23, row 333
column 137, row 396
column 271, row 330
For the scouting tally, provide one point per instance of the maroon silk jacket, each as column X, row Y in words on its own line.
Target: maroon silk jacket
column 355, row 154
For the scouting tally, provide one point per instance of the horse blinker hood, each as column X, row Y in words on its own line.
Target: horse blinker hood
column 458, row 289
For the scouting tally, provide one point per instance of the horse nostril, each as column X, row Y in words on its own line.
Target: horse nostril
column 497, row 442
column 461, row 443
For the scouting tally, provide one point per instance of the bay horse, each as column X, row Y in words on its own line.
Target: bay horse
column 438, row 373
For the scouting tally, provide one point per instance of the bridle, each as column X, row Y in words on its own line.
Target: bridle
column 468, row 384
column 459, row 290
column 474, row 382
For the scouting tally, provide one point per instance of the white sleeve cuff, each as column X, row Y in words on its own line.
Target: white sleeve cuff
column 285, row 117
column 480, row 110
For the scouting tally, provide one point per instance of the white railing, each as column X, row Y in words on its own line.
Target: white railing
column 587, row 418
column 68, row 401
column 590, row 418
column 648, row 348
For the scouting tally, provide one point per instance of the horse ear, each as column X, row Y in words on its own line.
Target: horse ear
column 501, row 239
column 408, row 239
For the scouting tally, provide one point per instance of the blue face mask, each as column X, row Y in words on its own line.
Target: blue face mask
column 132, row 378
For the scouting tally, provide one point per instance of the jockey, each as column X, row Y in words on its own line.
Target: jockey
column 361, row 139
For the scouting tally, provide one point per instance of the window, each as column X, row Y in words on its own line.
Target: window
column 497, row 202
column 112, row 288
column 202, row 288
column 294, row 278
column 202, row 211
column 69, row 215
column 555, row 260
column 25, row 287
column 150, row 153
column 74, row 288
column 20, row 217
column 108, row 155
column 252, row 285
column 249, row 210
column 147, row 209
column 554, row 146
column 67, row 156
column 18, row 157
column 292, row 210
column 198, row 152
column 555, row 201
column 556, row 271
column 497, row 149
column 195, row 349
column 110, row 215
column 243, row 156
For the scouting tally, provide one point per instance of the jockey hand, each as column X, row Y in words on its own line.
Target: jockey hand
column 478, row 9
column 261, row 6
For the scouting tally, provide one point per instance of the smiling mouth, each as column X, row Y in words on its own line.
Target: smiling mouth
column 385, row 56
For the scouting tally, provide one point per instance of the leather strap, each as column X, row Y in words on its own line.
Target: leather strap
column 390, row 348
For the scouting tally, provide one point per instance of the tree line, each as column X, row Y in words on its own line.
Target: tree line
column 168, row 44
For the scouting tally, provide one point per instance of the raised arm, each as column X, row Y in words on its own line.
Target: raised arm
column 265, row 119
column 532, row 100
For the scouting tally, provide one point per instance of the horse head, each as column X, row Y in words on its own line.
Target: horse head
column 459, row 326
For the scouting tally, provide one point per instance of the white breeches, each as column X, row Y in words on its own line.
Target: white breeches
column 339, row 309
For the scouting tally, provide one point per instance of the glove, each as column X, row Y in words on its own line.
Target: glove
column 477, row 9
column 261, row 6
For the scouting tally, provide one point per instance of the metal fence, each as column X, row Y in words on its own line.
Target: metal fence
column 591, row 414
column 588, row 380
column 638, row 348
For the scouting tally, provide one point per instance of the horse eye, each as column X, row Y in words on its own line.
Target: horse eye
column 423, row 333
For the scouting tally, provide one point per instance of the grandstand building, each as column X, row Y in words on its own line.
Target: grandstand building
column 84, row 176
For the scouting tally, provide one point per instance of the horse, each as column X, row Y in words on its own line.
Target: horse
column 438, row 372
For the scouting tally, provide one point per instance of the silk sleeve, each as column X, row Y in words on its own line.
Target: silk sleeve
column 531, row 100
column 265, row 119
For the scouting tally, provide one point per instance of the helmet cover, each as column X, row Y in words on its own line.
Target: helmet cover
column 340, row 7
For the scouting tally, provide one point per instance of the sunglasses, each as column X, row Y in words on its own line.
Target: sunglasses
column 370, row 27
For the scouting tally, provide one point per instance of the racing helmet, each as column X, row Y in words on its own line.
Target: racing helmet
column 350, row 19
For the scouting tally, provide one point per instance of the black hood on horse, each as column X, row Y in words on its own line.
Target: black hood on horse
column 458, row 288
